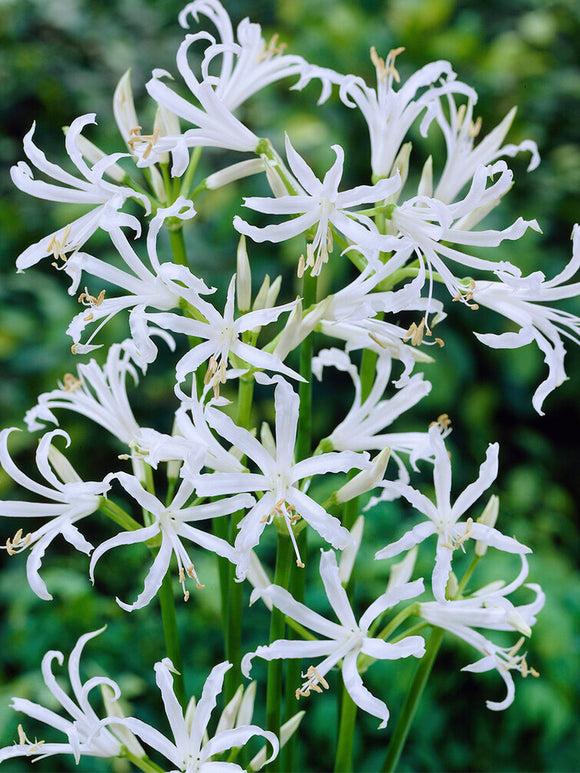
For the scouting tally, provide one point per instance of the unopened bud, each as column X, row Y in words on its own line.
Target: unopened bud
column 262, row 296
column 452, row 586
column 401, row 164
column 234, row 172
column 114, row 709
column 402, row 571
column 366, row 479
column 243, row 277
column 273, row 292
column 124, row 107
column 274, row 178
column 61, row 465
column 487, row 518
column 426, row 182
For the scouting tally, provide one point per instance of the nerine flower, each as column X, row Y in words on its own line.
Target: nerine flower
column 246, row 66
column 344, row 641
column 429, row 226
column 107, row 197
column 361, row 428
column 99, row 393
column 523, row 299
column 171, row 522
column 278, row 479
column 143, row 288
column 68, row 499
column 222, row 337
column 319, row 203
column 463, row 159
column 190, row 751
column 443, row 517
column 389, row 114
column 489, row 608
column 86, row 735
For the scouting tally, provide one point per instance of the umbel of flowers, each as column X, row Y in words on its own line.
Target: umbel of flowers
column 227, row 477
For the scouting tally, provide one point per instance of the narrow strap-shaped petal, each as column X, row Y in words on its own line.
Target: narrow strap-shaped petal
column 334, row 590
column 359, row 693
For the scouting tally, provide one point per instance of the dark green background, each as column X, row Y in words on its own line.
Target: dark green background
column 62, row 59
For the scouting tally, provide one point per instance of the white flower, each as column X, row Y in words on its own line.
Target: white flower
column 246, row 66
column 171, row 522
column 320, row 203
column 443, row 518
column 144, row 288
column 222, row 336
column 462, row 158
column 360, row 430
column 428, row 225
column 107, row 197
column 490, row 608
column 190, row 752
column 99, row 393
column 85, row 733
column 344, row 641
column 69, row 500
column 389, row 114
column 278, row 478
column 522, row 300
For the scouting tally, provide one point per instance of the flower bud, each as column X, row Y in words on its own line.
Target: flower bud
column 234, row 172
column 124, row 107
column 243, row 277
column 366, row 479
column 487, row 518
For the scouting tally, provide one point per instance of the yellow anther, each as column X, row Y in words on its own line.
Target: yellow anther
column 136, row 137
column 386, row 68
column 461, row 110
column 58, row 247
column 416, row 332
column 315, row 682
column 71, row 383
column 301, row 266
column 272, row 49
column 475, row 128
column 91, row 300
column 17, row 543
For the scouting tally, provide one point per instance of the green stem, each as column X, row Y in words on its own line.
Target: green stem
column 284, row 556
column 171, row 633
column 343, row 762
column 412, row 701
column 178, row 247
column 189, row 172
column 232, row 592
column 143, row 763
column 118, row 515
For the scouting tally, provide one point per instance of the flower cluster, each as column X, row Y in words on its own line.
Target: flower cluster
column 229, row 481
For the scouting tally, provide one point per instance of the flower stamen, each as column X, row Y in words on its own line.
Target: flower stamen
column 315, row 682
column 17, row 544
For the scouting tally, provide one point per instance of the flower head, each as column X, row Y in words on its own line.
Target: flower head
column 86, row 735
column 319, row 203
column 443, row 517
column 107, row 197
column 344, row 641
column 69, row 499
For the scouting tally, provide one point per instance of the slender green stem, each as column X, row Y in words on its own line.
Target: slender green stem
column 232, row 592
column 190, row 171
column 119, row 515
column 412, row 701
column 343, row 762
column 178, row 246
column 284, row 556
column 467, row 576
column 171, row 633
column 143, row 763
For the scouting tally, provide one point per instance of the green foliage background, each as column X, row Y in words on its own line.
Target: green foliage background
column 63, row 58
